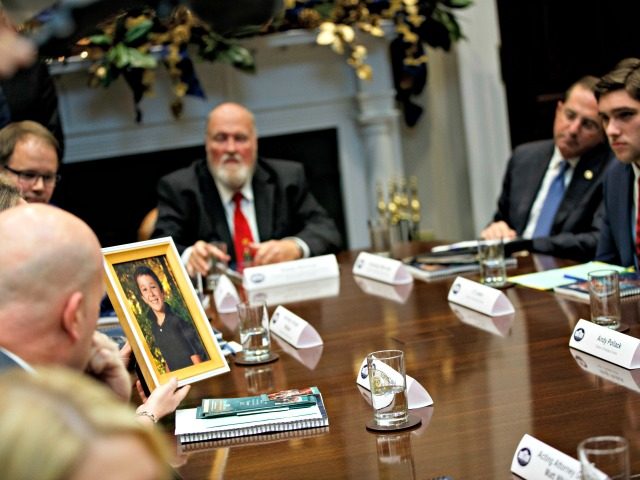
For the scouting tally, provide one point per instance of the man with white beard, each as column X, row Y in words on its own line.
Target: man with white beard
column 262, row 209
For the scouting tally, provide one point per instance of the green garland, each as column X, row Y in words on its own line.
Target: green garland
column 134, row 43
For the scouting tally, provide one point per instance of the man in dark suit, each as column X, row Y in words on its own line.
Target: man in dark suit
column 50, row 291
column 619, row 104
column 573, row 162
column 281, row 220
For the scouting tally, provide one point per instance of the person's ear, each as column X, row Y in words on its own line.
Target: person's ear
column 72, row 316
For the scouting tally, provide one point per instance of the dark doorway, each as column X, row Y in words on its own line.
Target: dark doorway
column 548, row 44
column 114, row 194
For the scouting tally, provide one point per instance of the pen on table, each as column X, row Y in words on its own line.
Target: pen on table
column 575, row 279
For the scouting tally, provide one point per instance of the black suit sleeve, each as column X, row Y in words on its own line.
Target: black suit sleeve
column 175, row 207
column 314, row 226
column 576, row 246
column 502, row 214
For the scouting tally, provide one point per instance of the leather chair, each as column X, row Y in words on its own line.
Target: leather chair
column 147, row 225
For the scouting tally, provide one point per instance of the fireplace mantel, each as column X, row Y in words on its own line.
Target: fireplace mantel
column 299, row 86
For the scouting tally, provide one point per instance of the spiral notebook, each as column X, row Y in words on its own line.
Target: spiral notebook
column 190, row 428
column 629, row 286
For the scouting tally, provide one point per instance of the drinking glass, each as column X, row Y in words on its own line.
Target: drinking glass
column 388, row 387
column 604, row 296
column 254, row 331
column 603, row 458
column 493, row 272
column 379, row 236
column 214, row 272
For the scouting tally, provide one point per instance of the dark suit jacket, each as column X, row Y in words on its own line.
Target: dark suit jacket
column 615, row 244
column 7, row 362
column 574, row 233
column 190, row 208
column 31, row 95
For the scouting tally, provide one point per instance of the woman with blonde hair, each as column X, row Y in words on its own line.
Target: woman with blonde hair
column 9, row 193
column 57, row 424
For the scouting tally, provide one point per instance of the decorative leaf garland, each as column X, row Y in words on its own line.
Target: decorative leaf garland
column 135, row 42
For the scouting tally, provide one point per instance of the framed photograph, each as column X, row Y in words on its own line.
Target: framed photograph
column 160, row 313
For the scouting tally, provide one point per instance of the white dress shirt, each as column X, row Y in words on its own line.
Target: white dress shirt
column 552, row 172
column 248, row 209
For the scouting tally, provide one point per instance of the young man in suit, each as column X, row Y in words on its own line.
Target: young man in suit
column 258, row 207
column 619, row 104
column 552, row 189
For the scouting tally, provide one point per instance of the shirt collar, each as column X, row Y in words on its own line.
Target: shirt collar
column 18, row 360
column 557, row 158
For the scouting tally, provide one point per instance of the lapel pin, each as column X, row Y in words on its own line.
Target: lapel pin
column 588, row 174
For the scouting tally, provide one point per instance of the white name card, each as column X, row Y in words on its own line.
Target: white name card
column 309, row 357
column 328, row 287
column 602, row 342
column 535, row 460
column 294, row 271
column 293, row 329
column 498, row 325
column 417, row 395
column 382, row 269
column 225, row 295
column 603, row 369
column 481, row 298
column 396, row 293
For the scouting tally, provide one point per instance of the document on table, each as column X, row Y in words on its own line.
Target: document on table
column 556, row 277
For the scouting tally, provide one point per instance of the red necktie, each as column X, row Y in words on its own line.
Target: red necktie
column 638, row 223
column 242, row 236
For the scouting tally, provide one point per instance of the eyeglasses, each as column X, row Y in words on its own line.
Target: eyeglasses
column 30, row 178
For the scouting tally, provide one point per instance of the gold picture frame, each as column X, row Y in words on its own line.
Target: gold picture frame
column 161, row 314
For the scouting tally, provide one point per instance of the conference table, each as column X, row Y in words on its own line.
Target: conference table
column 491, row 380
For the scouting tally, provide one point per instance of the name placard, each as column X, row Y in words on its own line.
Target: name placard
column 225, row 295
column 535, row 460
column 309, row 357
column 293, row 329
column 417, row 395
column 396, row 293
column 383, row 269
column 481, row 298
column 327, row 287
column 294, row 271
column 608, row 371
column 497, row 325
column 602, row 342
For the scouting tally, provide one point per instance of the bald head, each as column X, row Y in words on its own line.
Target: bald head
column 51, row 285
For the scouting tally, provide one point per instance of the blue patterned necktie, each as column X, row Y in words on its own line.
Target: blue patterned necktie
column 551, row 203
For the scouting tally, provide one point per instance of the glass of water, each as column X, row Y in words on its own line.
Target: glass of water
column 254, row 331
column 388, row 388
column 493, row 272
column 214, row 272
column 604, row 297
column 605, row 457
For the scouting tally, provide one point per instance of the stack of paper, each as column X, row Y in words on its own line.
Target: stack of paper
column 248, row 416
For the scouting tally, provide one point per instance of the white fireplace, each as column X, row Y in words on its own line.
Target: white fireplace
column 299, row 87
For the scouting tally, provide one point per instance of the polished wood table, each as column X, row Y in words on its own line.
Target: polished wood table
column 491, row 383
